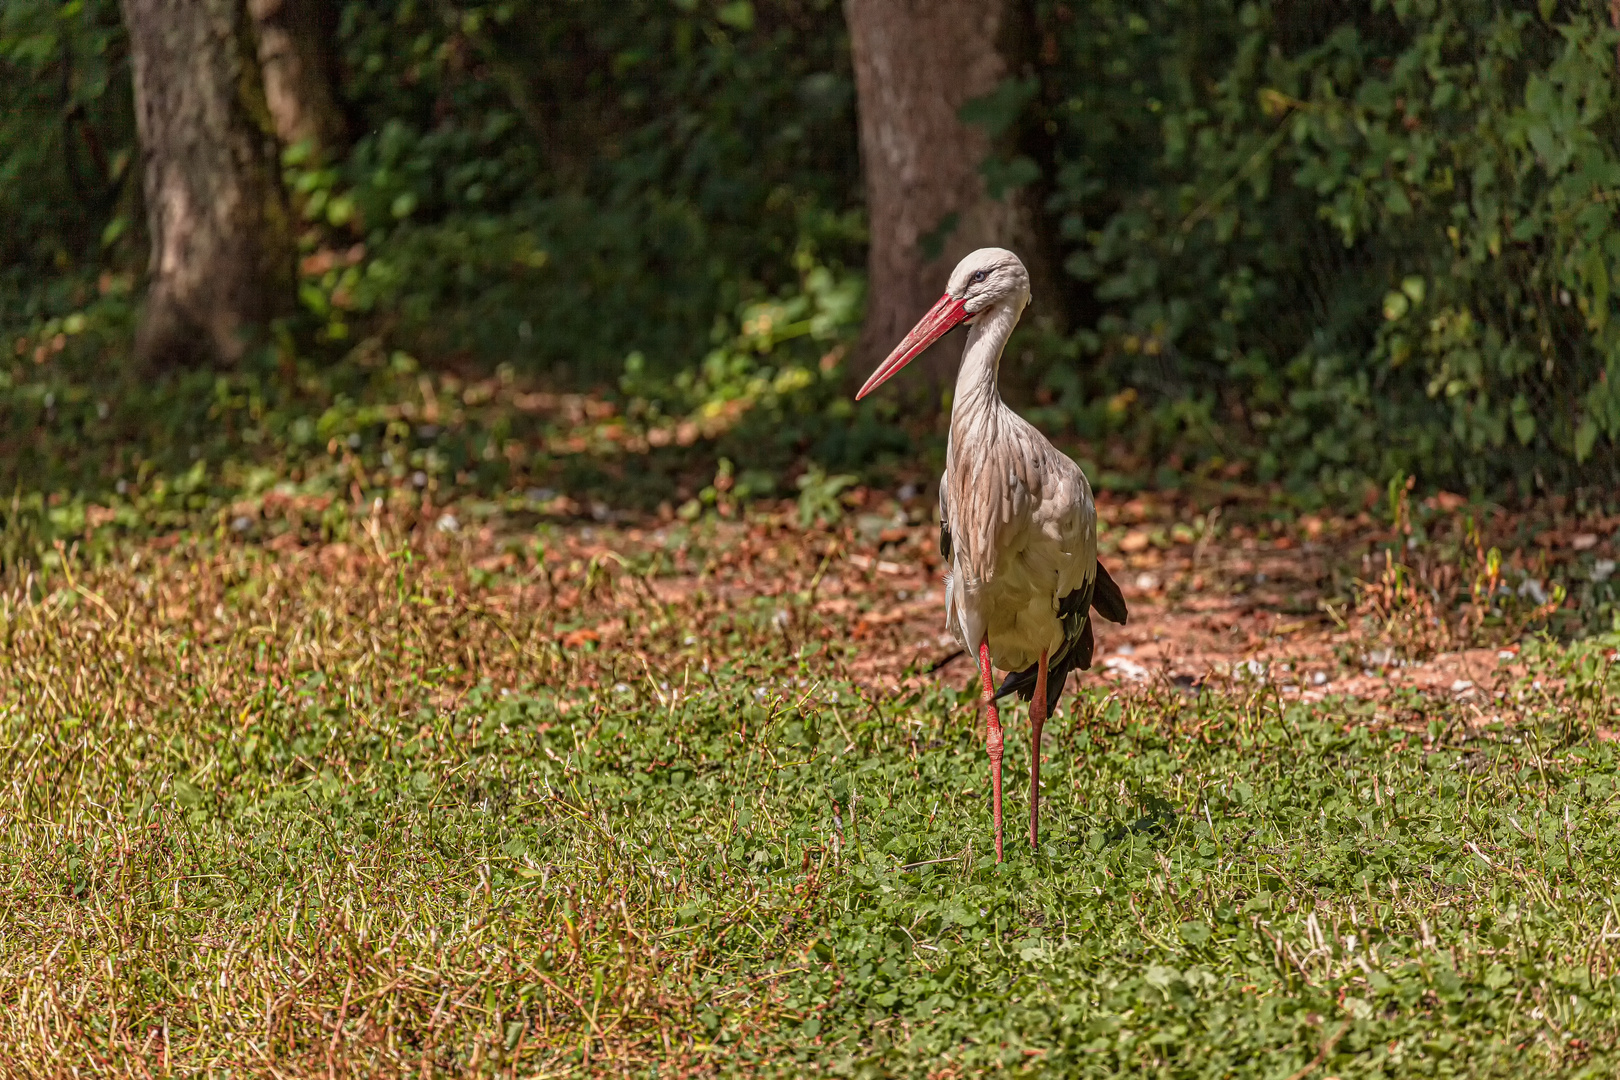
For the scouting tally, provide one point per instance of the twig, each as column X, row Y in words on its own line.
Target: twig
column 1321, row 1055
column 930, row 862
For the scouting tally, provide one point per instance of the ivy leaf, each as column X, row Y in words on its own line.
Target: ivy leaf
column 738, row 15
column 1524, row 421
column 1586, row 434
column 1595, row 269
column 998, row 110
column 1000, row 177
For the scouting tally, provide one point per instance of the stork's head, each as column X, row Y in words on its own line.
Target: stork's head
column 984, row 279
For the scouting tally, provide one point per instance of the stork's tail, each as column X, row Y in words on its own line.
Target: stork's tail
column 1106, row 599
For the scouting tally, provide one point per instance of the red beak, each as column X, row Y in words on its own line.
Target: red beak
column 930, row 328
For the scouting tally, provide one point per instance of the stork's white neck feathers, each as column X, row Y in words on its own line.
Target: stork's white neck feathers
column 976, row 391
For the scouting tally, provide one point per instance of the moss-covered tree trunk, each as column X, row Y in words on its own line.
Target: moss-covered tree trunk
column 296, row 58
column 917, row 62
column 223, row 250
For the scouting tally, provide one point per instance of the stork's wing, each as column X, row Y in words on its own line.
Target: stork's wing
column 947, row 548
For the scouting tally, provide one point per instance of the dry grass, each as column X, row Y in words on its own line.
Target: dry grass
column 163, row 914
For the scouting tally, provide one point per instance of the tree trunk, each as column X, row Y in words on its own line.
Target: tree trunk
column 917, row 62
column 297, row 64
column 223, row 250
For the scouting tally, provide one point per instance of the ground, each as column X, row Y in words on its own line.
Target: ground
column 445, row 792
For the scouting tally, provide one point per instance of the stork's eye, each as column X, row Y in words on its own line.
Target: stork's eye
column 978, row 276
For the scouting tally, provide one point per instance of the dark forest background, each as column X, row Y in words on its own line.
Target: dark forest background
column 1309, row 242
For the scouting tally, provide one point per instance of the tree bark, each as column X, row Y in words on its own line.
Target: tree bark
column 297, row 63
column 223, row 250
column 917, row 62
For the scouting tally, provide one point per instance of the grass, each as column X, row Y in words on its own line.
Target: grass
column 432, row 804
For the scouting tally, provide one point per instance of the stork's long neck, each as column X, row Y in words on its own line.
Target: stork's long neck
column 981, row 361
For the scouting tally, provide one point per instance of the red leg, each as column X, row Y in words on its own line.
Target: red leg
column 1037, row 717
column 992, row 738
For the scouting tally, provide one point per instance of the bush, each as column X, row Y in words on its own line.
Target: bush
column 560, row 185
column 1379, row 238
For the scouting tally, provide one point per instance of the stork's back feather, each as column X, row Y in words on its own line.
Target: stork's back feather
column 1011, row 475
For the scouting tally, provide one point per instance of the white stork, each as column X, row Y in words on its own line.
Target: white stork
column 1017, row 527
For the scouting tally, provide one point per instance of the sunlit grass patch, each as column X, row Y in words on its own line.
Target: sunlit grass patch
column 366, row 811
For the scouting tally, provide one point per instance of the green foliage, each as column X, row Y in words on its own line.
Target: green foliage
column 1338, row 241
column 818, row 495
column 776, row 353
column 535, row 190
column 550, row 186
column 67, row 153
column 1379, row 239
column 560, row 185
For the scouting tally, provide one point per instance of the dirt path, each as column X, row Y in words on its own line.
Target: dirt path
column 1259, row 613
column 1211, row 599
column 1219, row 592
